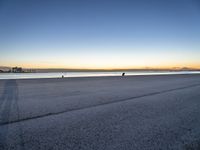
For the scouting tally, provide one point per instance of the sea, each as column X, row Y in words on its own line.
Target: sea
column 88, row 74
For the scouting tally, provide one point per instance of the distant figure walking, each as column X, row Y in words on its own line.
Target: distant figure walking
column 62, row 76
column 123, row 74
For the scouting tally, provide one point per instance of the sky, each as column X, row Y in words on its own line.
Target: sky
column 100, row 34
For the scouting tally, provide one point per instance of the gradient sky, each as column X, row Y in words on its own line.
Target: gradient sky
column 100, row 33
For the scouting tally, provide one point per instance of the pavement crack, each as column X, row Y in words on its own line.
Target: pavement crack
column 97, row 105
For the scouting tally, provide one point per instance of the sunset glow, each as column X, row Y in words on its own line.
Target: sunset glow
column 100, row 35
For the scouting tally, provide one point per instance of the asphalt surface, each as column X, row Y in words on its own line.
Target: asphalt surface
column 101, row 113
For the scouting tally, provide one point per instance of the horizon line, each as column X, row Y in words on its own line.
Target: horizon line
column 107, row 69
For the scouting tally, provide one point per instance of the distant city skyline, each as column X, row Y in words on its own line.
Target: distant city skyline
column 100, row 34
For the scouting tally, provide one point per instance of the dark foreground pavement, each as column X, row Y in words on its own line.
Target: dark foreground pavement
column 101, row 113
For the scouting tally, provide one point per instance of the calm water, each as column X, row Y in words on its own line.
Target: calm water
column 87, row 74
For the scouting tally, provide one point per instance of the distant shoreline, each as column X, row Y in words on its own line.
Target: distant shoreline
column 6, row 69
column 43, row 75
column 133, row 70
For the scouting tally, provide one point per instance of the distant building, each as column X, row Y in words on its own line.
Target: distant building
column 17, row 70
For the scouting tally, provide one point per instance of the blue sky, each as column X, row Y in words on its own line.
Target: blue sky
column 100, row 33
